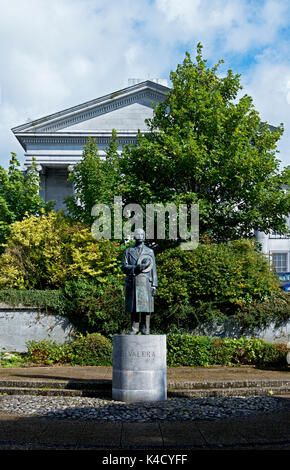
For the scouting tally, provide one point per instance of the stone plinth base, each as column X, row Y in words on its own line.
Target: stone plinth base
column 139, row 368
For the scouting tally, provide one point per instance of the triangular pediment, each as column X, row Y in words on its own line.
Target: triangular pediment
column 123, row 110
column 122, row 117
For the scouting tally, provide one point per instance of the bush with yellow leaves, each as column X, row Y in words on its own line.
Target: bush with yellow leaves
column 46, row 251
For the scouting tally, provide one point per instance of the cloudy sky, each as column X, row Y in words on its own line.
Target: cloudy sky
column 59, row 53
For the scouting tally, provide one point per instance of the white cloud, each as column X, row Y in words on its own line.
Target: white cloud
column 200, row 14
column 268, row 82
column 234, row 25
column 60, row 53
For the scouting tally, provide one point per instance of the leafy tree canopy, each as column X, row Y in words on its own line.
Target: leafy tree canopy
column 19, row 195
column 206, row 145
column 94, row 180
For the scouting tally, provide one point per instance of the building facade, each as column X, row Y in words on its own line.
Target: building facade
column 277, row 247
column 56, row 141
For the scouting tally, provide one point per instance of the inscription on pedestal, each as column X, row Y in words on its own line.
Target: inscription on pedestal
column 141, row 354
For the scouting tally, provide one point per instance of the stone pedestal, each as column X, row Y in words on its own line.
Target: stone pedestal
column 139, row 368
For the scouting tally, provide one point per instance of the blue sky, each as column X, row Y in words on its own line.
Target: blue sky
column 59, row 53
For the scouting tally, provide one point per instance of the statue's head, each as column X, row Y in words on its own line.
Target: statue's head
column 139, row 234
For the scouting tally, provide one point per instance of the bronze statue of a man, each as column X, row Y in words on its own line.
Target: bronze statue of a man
column 141, row 283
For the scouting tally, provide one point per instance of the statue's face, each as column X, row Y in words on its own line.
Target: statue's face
column 139, row 234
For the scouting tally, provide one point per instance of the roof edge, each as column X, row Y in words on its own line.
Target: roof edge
column 148, row 84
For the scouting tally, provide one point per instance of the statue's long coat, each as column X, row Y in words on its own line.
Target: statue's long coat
column 138, row 288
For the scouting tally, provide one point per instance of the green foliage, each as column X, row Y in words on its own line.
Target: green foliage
column 182, row 350
column 48, row 352
column 90, row 350
column 95, row 180
column 206, row 146
column 46, row 251
column 48, row 300
column 211, row 281
column 97, row 307
column 258, row 314
column 196, row 351
column 187, row 350
column 19, row 195
column 15, row 359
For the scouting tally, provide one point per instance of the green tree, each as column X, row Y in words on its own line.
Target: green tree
column 19, row 195
column 95, row 180
column 206, row 146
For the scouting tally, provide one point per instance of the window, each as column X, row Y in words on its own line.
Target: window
column 280, row 261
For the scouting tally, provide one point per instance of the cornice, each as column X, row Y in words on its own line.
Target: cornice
column 75, row 139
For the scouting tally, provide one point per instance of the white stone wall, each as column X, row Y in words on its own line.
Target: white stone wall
column 17, row 326
column 229, row 328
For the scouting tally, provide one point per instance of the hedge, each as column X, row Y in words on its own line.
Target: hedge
column 91, row 350
column 194, row 351
column 52, row 301
column 182, row 350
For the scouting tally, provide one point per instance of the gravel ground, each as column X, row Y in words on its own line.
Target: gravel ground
column 172, row 410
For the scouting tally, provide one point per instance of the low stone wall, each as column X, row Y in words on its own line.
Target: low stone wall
column 231, row 329
column 22, row 324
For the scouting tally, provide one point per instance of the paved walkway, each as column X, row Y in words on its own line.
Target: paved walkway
column 266, row 432
column 269, row 432
column 177, row 374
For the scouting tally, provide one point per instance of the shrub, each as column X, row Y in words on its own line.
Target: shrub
column 182, row 350
column 212, row 280
column 44, row 252
column 187, row 350
column 19, row 195
column 90, row 350
column 48, row 352
column 90, row 306
column 274, row 354
column 52, row 301
column 258, row 314
column 97, row 307
column 184, row 317
column 12, row 359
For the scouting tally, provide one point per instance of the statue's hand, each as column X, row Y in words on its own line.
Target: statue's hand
column 153, row 291
column 138, row 269
column 142, row 266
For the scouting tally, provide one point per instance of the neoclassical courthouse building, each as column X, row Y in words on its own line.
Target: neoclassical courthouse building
column 56, row 142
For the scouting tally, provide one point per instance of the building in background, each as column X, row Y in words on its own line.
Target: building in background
column 277, row 246
column 56, row 141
